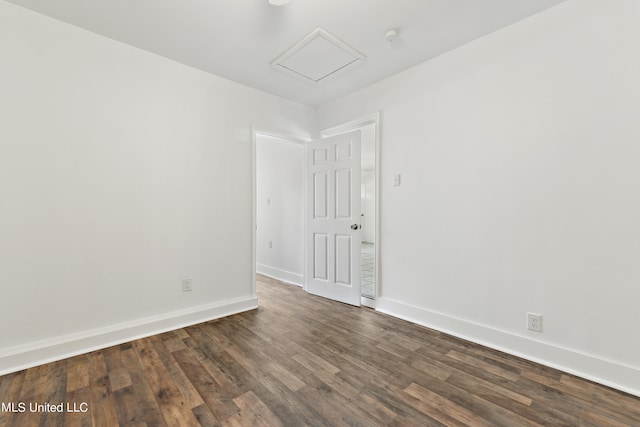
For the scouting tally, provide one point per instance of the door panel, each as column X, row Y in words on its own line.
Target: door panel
column 333, row 218
column 343, row 259
column 343, row 194
column 320, row 156
column 320, row 267
column 320, row 195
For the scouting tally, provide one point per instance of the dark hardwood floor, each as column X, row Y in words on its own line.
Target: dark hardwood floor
column 303, row 360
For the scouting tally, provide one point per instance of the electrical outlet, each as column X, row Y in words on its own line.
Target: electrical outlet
column 186, row 285
column 534, row 322
column 270, row 244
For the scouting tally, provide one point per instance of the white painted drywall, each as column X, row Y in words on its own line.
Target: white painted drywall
column 280, row 203
column 121, row 173
column 519, row 156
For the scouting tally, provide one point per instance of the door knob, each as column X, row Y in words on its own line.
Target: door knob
column 354, row 226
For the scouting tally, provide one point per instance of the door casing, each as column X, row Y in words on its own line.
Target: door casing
column 329, row 131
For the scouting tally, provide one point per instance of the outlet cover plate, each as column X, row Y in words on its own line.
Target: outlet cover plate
column 534, row 322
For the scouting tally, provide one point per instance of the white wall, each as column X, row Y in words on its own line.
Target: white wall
column 519, row 157
column 280, row 205
column 121, row 173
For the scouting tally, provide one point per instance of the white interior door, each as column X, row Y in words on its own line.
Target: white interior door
column 333, row 218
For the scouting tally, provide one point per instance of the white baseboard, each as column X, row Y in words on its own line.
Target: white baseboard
column 50, row 350
column 612, row 374
column 282, row 275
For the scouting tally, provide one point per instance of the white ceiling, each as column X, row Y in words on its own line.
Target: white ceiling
column 237, row 39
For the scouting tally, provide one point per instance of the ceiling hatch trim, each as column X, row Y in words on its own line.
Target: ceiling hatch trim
column 318, row 56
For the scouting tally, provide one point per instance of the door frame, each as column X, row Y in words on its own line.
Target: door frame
column 297, row 139
column 345, row 128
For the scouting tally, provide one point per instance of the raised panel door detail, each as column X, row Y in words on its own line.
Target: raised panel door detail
column 320, row 256
column 343, row 193
column 343, row 259
column 320, row 156
column 332, row 207
column 320, row 195
column 343, row 151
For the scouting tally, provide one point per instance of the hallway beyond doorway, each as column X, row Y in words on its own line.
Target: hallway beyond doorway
column 368, row 270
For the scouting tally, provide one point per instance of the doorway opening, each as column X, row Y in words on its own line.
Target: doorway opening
column 370, row 237
column 279, row 207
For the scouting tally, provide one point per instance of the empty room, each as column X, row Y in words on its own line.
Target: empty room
column 305, row 212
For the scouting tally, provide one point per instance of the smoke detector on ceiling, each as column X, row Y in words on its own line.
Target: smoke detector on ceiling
column 391, row 35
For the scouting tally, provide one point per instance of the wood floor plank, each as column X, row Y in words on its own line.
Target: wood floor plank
column 302, row 360
column 511, row 400
column 103, row 409
column 403, row 404
column 218, row 400
column 282, row 401
column 77, row 373
column 146, row 407
column 443, row 409
column 355, row 397
column 28, row 395
column 255, row 411
column 608, row 399
column 173, row 406
column 204, row 416
column 80, row 397
column 431, row 367
column 10, row 388
column 128, row 410
column 572, row 399
column 591, row 419
column 485, row 366
column 118, row 374
column 485, row 389
column 177, row 374
column 331, row 406
column 208, row 356
column 53, row 389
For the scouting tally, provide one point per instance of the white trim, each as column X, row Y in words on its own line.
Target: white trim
column 305, row 284
column 609, row 373
column 282, row 275
column 378, row 285
column 50, row 350
column 352, row 125
column 254, row 212
column 298, row 139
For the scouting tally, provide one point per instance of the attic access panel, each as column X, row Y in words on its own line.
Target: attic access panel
column 317, row 56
